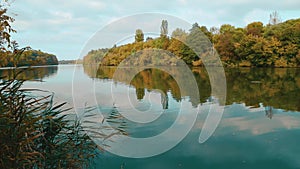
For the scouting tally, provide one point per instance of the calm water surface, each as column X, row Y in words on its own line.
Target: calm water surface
column 260, row 127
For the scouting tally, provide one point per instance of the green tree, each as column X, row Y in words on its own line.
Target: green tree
column 226, row 28
column 178, row 38
column 197, row 40
column 139, row 35
column 179, row 34
column 259, row 51
column 225, row 43
column 164, row 28
column 207, row 33
column 255, row 44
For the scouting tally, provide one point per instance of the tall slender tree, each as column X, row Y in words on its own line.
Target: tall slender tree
column 164, row 28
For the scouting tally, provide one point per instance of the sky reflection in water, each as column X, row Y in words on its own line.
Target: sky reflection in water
column 260, row 127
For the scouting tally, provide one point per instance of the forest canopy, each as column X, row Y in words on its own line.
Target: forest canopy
column 27, row 58
column 256, row 45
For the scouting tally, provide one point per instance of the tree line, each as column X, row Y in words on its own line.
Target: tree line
column 10, row 54
column 257, row 45
column 27, row 58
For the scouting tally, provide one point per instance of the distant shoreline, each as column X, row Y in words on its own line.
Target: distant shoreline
column 65, row 62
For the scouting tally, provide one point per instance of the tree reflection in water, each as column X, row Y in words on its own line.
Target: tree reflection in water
column 30, row 73
column 278, row 88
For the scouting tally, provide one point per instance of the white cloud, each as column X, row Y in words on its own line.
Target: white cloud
column 62, row 14
column 60, row 17
column 51, row 17
column 95, row 4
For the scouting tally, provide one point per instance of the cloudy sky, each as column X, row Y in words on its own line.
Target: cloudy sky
column 63, row 27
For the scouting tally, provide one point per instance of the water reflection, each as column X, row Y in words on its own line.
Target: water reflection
column 29, row 73
column 245, row 138
column 277, row 88
column 269, row 111
column 274, row 88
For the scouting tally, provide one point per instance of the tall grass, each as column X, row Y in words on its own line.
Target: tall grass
column 36, row 133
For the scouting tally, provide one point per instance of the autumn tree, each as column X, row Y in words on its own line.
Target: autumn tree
column 259, row 51
column 5, row 28
column 177, row 41
column 255, row 28
column 225, row 44
column 253, row 45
